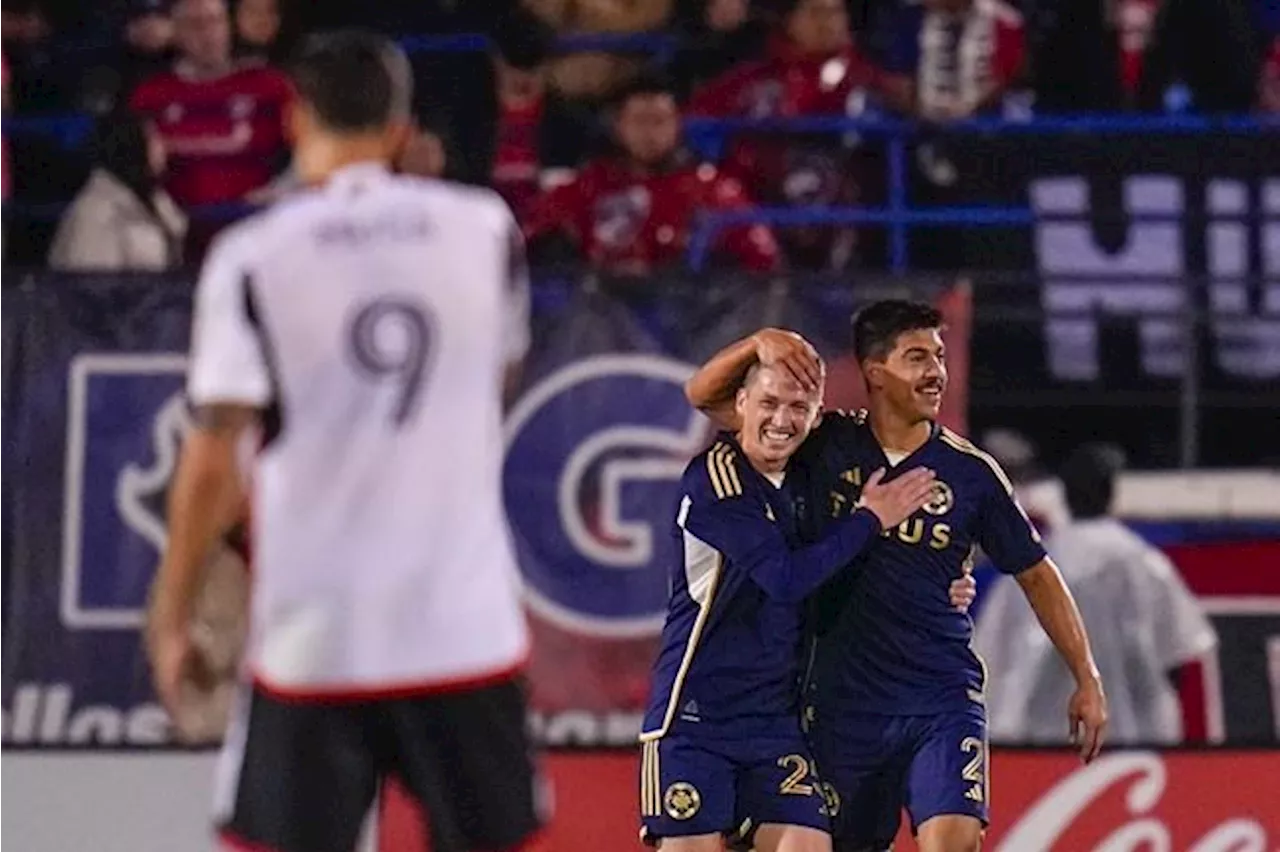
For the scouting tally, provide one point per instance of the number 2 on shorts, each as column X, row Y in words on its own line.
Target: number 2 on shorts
column 972, row 772
column 391, row 341
column 792, row 784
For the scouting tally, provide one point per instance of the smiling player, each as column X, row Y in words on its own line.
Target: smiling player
column 896, row 691
column 723, row 748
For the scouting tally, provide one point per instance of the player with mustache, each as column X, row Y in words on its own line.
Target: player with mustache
column 895, row 695
column 723, row 748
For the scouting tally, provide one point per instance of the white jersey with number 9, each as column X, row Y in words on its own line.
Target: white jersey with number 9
column 371, row 322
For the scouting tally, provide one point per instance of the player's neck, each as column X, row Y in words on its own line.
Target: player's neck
column 320, row 158
column 896, row 433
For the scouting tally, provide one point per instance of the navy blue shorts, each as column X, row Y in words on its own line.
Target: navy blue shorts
column 708, row 784
column 878, row 765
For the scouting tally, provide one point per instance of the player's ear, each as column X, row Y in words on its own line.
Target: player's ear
column 300, row 121
column 740, row 402
column 873, row 372
column 398, row 134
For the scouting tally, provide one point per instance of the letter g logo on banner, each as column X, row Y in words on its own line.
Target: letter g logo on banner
column 594, row 452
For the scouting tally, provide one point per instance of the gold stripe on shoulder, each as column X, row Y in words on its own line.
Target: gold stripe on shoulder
column 731, row 467
column 713, row 472
column 721, row 459
column 951, row 439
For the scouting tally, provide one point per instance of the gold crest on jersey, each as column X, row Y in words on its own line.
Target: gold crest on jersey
column 682, row 800
column 942, row 500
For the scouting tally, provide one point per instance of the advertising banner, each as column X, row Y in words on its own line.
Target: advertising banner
column 94, row 416
column 1146, row 292
column 1126, row 801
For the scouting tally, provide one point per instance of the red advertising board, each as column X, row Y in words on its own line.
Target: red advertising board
column 1043, row 801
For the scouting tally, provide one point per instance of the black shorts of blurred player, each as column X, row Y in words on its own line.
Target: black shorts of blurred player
column 301, row 775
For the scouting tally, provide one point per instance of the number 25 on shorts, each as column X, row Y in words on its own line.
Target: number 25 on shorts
column 974, row 772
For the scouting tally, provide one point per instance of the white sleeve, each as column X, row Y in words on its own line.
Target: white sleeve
column 1182, row 632
column 227, row 364
column 1000, row 640
column 516, row 302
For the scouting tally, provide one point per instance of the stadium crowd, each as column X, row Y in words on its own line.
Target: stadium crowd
column 585, row 145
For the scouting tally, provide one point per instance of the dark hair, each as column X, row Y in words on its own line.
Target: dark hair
column 523, row 40
column 784, row 9
column 119, row 146
column 877, row 326
column 353, row 80
column 1089, row 479
column 642, row 85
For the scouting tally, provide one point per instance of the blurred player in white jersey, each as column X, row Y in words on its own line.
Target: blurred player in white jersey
column 364, row 330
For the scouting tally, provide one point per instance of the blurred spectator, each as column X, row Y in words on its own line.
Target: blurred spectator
column 1212, row 47
column 1074, row 52
column 634, row 211
column 458, row 97
column 534, row 133
column 221, row 119
column 1143, row 622
column 38, row 83
column 594, row 75
column 146, row 50
column 963, row 55
column 813, row 68
column 714, row 36
column 260, row 32
column 122, row 220
column 1134, row 23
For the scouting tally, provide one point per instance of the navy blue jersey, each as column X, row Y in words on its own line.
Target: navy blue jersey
column 889, row 640
column 732, row 643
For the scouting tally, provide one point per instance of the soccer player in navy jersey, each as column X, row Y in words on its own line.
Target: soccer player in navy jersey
column 723, row 747
column 895, row 696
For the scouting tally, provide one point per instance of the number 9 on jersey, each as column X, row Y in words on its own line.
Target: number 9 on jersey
column 390, row 341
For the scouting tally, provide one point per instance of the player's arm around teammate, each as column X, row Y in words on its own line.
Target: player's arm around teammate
column 714, row 387
column 698, row 780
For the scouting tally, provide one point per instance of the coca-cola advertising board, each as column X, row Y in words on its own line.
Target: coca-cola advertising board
column 1042, row 801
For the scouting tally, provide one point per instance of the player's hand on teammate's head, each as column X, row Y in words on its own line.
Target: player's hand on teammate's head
column 1087, row 718
column 963, row 591
column 894, row 502
column 777, row 347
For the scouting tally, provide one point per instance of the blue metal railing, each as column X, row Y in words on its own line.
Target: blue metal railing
column 896, row 214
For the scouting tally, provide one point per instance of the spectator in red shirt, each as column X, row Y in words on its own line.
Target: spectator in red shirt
column 634, row 211
column 221, row 119
column 537, row 136
column 813, row 68
column 1134, row 22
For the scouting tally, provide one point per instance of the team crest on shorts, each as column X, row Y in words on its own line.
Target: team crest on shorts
column 942, row 500
column 682, row 800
